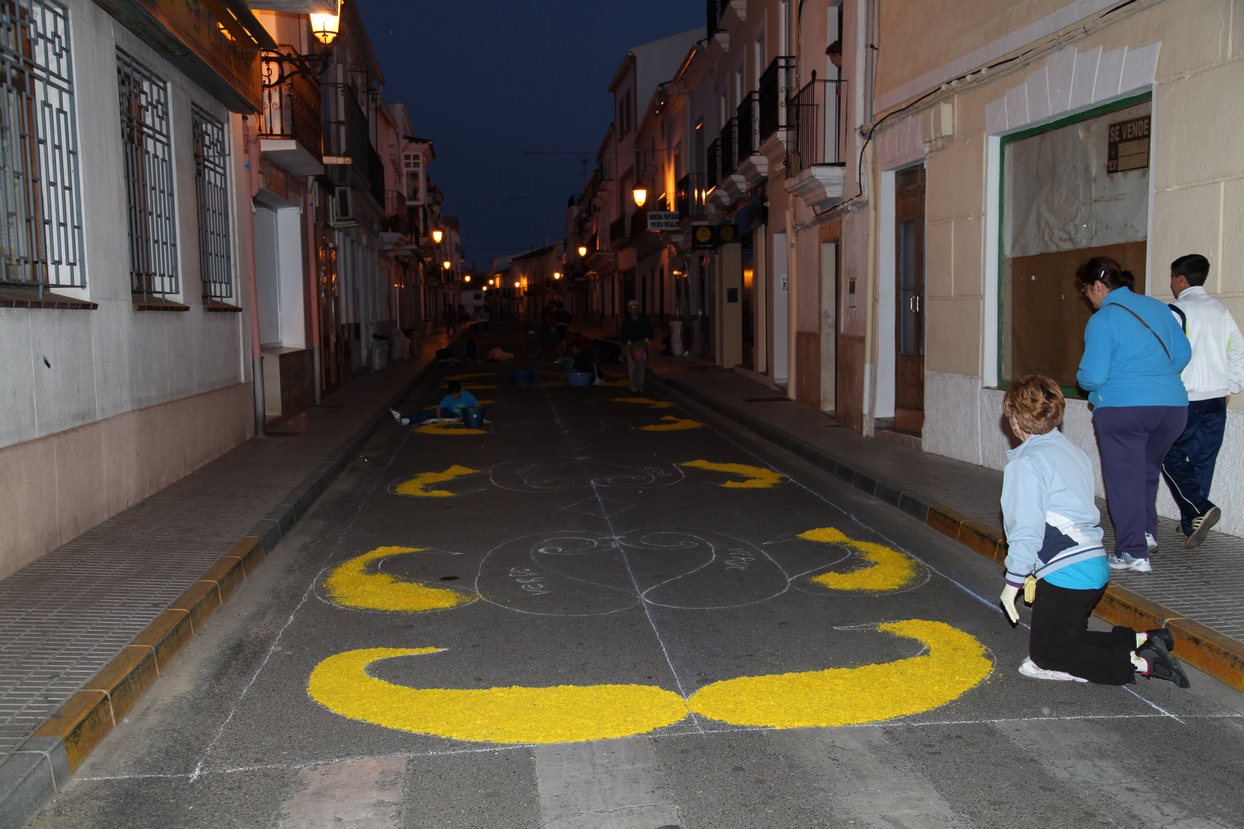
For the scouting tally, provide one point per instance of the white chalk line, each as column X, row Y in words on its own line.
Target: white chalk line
column 990, row 603
column 665, row 734
column 310, row 591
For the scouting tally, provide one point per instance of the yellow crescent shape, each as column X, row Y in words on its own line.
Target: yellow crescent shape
column 754, row 477
column 564, row 713
column 645, row 401
column 353, row 584
column 672, row 424
column 890, row 570
column 451, row 427
column 618, row 383
column 954, row 663
column 419, row 484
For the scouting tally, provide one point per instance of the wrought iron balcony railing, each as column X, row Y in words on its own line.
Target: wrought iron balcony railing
column 820, row 125
column 689, row 197
column 776, row 85
column 292, row 110
column 729, row 161
column 712, row 164
column 747, row 129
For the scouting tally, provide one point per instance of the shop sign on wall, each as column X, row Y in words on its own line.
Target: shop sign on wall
column 1128, row 145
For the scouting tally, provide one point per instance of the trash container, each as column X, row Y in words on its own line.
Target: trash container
column 473, row 417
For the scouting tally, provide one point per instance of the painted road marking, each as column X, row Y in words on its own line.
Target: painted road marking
column 889, row 569
column 953, row 662
column 754, row 477
column 669, row 423
column 452, row 427
column 361, row 793
column 418, row 485
column 866, row 780
column 564, row 713
column 602, row 785
column 357, row 584
column 645, row 401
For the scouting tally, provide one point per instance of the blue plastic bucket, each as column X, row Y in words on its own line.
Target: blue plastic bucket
column 579, row 378
column 473, row 417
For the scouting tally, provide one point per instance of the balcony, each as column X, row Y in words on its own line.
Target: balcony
column 816, row 163
column 689, row 199
column 776, row 85
column 752, row 166
column 727, row 145
column 291, row 132
column 712, row 166
column 348, row 153
column 620, row 233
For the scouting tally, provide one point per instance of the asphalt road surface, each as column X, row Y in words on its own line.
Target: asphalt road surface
column 609, row 610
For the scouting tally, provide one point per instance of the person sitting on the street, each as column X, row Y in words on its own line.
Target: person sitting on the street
column 585, row 362
column 471, row 352
column 450, row 408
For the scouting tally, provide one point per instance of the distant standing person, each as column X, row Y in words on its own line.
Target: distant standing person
column 636, row 335
column 1215, row 372
column 451, row 319
column 1133, row 353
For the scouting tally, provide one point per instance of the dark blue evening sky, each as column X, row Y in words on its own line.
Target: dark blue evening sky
column 515, row 97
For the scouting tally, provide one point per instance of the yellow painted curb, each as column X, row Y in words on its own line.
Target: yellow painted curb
column 80, row 724
column 166, row 636
column 83, row 722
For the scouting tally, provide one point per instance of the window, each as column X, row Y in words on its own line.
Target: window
column 149, row 179
column 40, row 196
column 212, row 191
column 1071, row 190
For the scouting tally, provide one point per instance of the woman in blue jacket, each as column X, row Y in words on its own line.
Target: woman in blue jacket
column 1134, row 351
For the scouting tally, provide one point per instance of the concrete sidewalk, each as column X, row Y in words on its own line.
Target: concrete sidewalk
column 1195, row 592
column 86, row 629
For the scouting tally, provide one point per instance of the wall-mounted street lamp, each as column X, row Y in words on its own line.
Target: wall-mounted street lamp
column 437, row 235
column 447, row 264
column 279, row 67
column 466, row 278
column 583, row 250
column 557, row 274
column 640, row 191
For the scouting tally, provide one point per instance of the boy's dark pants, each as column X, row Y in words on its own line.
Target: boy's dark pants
column 1061, row 641
column 1189, row 466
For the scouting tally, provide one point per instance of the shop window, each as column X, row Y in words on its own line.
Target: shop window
column 1071, row 190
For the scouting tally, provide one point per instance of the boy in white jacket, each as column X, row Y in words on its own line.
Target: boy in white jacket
column 1215, row 372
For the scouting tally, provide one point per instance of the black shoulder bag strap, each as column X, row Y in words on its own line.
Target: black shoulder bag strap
column 1146, row 325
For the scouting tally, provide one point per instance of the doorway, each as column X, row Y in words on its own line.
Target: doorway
column 909, row 293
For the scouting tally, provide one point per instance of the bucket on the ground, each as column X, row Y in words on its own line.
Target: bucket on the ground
column 579, row 378
column 523, row 376
column 473, row 417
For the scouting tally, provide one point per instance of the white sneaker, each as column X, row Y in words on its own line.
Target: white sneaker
column 1129, row 562
column 1151, row 543
column 1029, row 669
column 397, row 416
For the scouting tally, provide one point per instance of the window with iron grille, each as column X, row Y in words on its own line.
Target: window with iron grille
column 149, row 178
column 40, row 195
column 212, row 189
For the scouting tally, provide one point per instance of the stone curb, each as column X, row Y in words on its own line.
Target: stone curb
column 1196, row 644
column 32, row 775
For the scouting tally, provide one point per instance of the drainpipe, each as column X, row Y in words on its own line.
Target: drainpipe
column 250, row 141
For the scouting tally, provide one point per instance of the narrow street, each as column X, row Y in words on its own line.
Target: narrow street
column 603, row 609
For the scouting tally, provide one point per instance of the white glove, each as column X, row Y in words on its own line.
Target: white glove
column 1009, row 594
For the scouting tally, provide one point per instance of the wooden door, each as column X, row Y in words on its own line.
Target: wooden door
column 909, row 294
